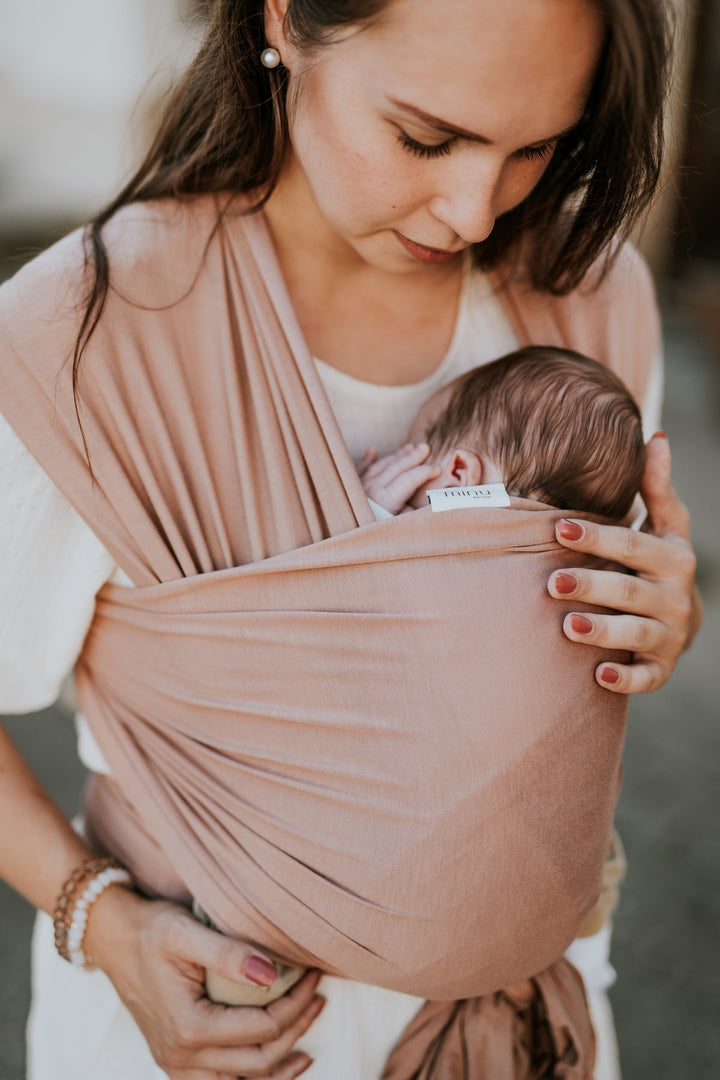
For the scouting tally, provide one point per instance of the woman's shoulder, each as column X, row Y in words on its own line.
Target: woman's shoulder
column 621, row 275
column 153, row 248
column 611, row 315
column 618, row 299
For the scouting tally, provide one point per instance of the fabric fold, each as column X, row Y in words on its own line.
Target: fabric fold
column 539, row 1030
column 364, row 746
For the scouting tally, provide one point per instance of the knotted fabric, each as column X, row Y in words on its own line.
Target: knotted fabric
column 364, row 746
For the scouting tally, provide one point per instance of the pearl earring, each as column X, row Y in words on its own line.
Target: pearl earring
column 270, row 58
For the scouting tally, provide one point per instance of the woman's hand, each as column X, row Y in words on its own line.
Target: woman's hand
column 659, row 604
column 156, row 953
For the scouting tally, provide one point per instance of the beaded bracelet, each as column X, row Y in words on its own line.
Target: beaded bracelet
column 96, row 873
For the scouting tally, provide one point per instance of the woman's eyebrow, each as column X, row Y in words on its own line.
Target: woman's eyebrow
column 453, row 129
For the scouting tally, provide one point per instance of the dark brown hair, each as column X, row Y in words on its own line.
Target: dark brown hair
column 561, row 428
column 225, row 130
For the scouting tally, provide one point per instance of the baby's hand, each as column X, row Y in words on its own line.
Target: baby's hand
column 392, row 481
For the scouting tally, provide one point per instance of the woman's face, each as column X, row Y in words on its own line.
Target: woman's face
column 413, row 134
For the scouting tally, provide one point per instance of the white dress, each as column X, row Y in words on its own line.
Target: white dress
column 52, row 567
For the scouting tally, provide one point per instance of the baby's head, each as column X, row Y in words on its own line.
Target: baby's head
column 549, row 423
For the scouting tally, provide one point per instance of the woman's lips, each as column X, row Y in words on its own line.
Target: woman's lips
column 422, row 253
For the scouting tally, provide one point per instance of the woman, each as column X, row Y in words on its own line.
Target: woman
column 385, row 139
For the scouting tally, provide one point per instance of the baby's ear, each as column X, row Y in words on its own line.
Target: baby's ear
column 466, row 469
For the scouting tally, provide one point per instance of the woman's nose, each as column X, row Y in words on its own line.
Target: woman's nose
column 467, row 203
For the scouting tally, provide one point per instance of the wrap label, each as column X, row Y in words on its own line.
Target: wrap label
column 458, row 498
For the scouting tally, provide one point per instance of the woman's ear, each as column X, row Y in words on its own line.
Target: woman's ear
column 275, row 27
column 464, row 469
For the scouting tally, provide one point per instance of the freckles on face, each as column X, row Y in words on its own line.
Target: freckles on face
column 498, row 81
column 349, row 157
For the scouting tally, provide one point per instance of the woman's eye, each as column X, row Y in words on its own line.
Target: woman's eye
column 536, row 153
column 424, row 150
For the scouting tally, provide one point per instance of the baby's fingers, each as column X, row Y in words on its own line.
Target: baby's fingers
column 417, row 479
column 389, row 468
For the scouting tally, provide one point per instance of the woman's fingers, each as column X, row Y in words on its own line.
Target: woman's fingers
column 232, row 1026
column 235, row 960
column 658, row 609
column 260, row 1060
column 293, row 1066
column 641, row 677
column 624, row 632
column 667, row 515
column 650, row 640
column 162, row 982
column 606, row 588
column 656, row 556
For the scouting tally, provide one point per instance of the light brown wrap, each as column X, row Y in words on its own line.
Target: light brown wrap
column 365, row 746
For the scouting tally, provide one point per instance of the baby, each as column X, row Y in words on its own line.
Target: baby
column 548, row 423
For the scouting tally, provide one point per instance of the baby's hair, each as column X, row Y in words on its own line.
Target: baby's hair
column 562, row 428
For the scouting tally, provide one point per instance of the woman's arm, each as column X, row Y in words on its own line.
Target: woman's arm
column 154, row 952
column 659, row 605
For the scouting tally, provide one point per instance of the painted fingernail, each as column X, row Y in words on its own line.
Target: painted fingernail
column 565, row 584
column 581, row 625
column 659, row 435
column 610, row 675
column 569, row 530
column 259, row 971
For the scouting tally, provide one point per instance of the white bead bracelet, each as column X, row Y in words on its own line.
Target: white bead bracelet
column 71, row 916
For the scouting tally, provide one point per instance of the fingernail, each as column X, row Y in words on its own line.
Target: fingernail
column 581, row 625
column 659, row 435
column 260, row 971
column 609, row 675
column 304, row 1068
column 565, row 584
column 569, row 530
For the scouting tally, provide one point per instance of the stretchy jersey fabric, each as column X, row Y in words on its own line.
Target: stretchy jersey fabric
column 53, row 567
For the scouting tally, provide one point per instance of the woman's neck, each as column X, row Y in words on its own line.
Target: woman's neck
column 371, row 323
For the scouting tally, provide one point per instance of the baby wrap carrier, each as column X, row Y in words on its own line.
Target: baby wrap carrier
column 365, row 746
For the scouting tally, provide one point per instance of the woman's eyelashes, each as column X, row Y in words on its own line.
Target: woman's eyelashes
column 432, row 150
column 426, row 150
column 535, row 153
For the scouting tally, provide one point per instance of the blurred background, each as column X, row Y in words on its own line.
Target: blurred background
column 80, row 85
